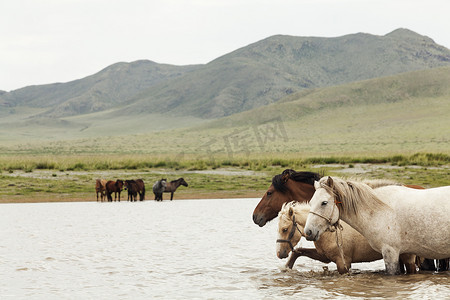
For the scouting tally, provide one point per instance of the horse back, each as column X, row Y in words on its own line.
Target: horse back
column 140, row 184
column 170, row 187
column 113, row 186
column 422, row 216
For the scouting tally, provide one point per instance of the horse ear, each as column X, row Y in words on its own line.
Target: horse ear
column 291, row 211
column 316, row 184
column 330, row 181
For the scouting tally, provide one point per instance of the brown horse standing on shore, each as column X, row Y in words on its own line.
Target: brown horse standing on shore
column 141, row 189
column 100, row 187
column 172, row 186
column 114, row 187
column 132, row 189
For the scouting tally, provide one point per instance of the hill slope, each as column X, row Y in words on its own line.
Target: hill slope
column 401, row 88
column 399, row 114
column 266, row 71
column 111, row 86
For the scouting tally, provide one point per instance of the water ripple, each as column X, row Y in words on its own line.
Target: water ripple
column 193, row 249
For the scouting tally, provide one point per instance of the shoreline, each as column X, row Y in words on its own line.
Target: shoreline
column 49, row 198
column 42, row 186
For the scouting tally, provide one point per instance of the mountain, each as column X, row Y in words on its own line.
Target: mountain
column 250, row 77
column 266, row 71
column 110, row 87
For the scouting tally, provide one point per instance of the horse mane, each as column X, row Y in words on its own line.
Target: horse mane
column 353, row 195
column 278, row 181
column 298, row 207
column 376, row 183
column 176, row 180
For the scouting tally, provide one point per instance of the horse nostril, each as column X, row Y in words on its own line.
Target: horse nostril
column 259, row 220
column 308, row 233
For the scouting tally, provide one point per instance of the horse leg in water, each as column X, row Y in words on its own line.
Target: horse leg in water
column 409, row 262
column 308, row 252
column 427, row 264
column 443, row 264
column 391, row 260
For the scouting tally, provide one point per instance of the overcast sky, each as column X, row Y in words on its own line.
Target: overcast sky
column 47, row 41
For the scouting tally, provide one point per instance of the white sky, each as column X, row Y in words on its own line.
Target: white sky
column 47, row 41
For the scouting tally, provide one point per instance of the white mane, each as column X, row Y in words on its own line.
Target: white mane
column 299, row 208
column 352, row 195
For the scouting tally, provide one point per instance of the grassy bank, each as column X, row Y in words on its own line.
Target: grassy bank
column 44, row 178
column 253, row 162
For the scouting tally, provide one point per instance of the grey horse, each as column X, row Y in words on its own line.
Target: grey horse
column 158, row 189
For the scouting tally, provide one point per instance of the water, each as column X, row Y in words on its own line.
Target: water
column 185, row 249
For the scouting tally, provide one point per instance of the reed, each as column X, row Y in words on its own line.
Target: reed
column 254, row 162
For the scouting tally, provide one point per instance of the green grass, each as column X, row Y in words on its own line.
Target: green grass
column 255, row 162
column 221, row 179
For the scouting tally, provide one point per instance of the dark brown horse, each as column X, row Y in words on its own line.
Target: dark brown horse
column 114, row 187
column 172, row 186
column 132, row 188
column 286, row 187
column 141, row 189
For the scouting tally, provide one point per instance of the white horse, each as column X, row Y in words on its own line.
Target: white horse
column 394, row 219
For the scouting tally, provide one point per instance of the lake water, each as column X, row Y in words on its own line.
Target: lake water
column 183, row 249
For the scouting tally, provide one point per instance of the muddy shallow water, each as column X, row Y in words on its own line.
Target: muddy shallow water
column 185, row 249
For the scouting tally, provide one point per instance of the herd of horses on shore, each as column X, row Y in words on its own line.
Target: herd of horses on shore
column 358, row 221
column 106, row 188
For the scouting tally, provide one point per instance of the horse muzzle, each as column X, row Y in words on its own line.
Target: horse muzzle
column 311, row 235
column 259, row 220
column 282, row 254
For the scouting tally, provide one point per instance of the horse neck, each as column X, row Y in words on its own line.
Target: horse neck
column 367, row 219
column 301, row 213
column 300, row 191
column 176, row 183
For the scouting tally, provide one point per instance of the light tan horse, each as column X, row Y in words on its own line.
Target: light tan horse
column 100, row 187
column 354, row 247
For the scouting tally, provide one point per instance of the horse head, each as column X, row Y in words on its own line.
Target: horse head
column 291, row 226
column 287, row 186
column 183, row 182
column 119, row 184
column 324, row 213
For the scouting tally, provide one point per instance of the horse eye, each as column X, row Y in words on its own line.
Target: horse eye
column 324, row 203
column 285, row 229
column 269, row 193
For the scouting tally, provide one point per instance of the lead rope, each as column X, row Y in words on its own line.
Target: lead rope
column 339, row 229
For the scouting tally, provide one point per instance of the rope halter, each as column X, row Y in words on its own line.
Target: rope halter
column 332, row 227
column 291, row 234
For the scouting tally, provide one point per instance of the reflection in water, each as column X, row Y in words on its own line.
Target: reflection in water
column 173, row 250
